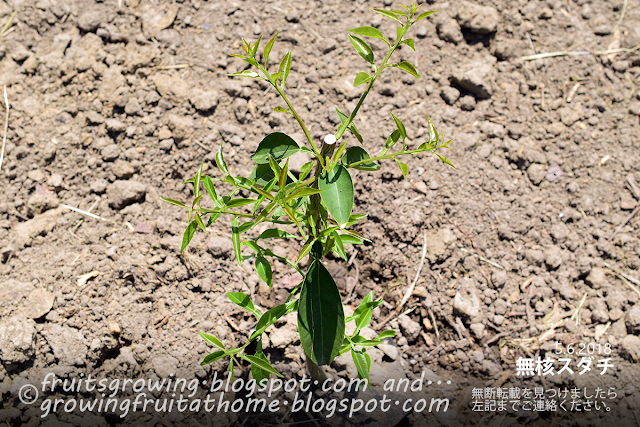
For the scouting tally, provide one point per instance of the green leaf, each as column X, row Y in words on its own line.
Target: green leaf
column 320, row 315
column 305, row 170
column 362, row 366
column 425, row 14
column 304, row 192
column 246, row 73
column 362, row 48
column 258, row 373
column 409, row 68
column 264, row 270
column 387, row 14
column 261, row 363
column 350, row 239
column 220, row 161
column 268, row 47
column 285, row 67
column 212, row 340
column 338, row 247
column 389, row 333
column 364, row 319
column 244, row 301
column 282, row 110
column 408, row 42
column 246, row 226
column 352, row 127
column 174, row 202
column 392, row 139
column 356, row 154
column 245, row 46
column 369, row 32
column 444, row 159
column 234, row 203
column 277, row 145
column 272, row 316
column 213, row 357
column 361, row 78
column 337, row 193
column 235, row 236
column 208, row 185
column 403, row 167
column 274, row 233
column 305, row 250
column 401, row 129
column 188, row 234
column 254, row 49
column 198, row 220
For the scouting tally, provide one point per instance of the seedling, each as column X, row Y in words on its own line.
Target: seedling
column 318, row 202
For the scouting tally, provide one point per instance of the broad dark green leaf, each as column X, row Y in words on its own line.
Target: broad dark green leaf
column 174, row 202
column 268, row 47
column 403, row 167
column 387, row 14
column 235, row 237
column 320, row 315
column 401, row 128
column 244, row 301
column 220, row 161
column 425, row 14
column 277, row 145
column 362, row 366
column 261, row 363
column 212, row 340
column 188, row 235
column 264, row 270
column 369, row 32
column 213, row 357
column 362, row 48
column 389, row 333
column 409, row 68
column 356, row 154
column 409, row 42
column 337, row 193
column 361, row 78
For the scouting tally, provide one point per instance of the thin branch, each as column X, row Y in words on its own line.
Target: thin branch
column 579, row 53
column 6, row 126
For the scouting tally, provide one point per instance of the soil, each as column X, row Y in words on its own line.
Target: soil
column 114, row 104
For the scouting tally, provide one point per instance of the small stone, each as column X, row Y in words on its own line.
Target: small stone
column 115, row 126
column 39, row 203
column 536, row 173
column 477, row 329
column 169, row 37
column 545, row 13
column 632, row 320
column 181, row 127
column 569, row 116
column 556, row 128
column 122, row 169
column 165, row 366
column 630, row 348
column 620, row 66
column 17, row 339
column 110, row 153
column 490, row 368
column 553, row 257
column 449, row 31
column 124, row 193
column 90, row 20
column 597, row 278
column 287, row 334
column 634, row 108
column 492, row 130
column 38, row 303
column 99, row 186
column 477, row 77
column 450, row 94
column 220, row 247
column 466, row 300
column 204, row 101
column 166, row 144
column 467, row 103
column 410, row 328
column 40, row 225
column 133, row 107
column 477, row 19
column 157, row 18
column 391, row 351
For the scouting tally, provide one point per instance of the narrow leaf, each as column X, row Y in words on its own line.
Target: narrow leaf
column 246, row 73
column 198, row 220
column 403, row 167
column 234, row 203
column 259, row 374
column 213, row 357
column 235, row 236
column 362, row 48
column 389, row 333
column 320, row 315
column 425, row 14
column 401, row 128
column 362, row 366
column 409, row 68
column 254, row 49
column 263, row 268
column 361, row 78
column 208, row 185
column 274, row 233
column 261, row 363
column 212, row 340
column 356, row 154
column 188, row 234
column 369, row 32
column 244, row 301
column 305, row 250
column 174, row 202
column 337, row 193
column 338, row 247
column 268, row 47
column 387, row 14
column 285, row 67
column 220, row 161
column 444, row 159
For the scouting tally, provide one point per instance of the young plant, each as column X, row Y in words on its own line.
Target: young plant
column 318, row 202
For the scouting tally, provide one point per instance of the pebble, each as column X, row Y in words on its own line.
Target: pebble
column 220, row 247
column 450, row 94
column 536, row 173
column 632, row 319
column 122, row 169
column 99, row 186
column 410, row 328
column 630, row 347
column 467, row 103
column 133, row 107
column 110, row 153
column 124, row 193
column 476, row 77
column 115, row 125
column 477, row 19
column 17, row 339
column 597, row 278
column 449, row 30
